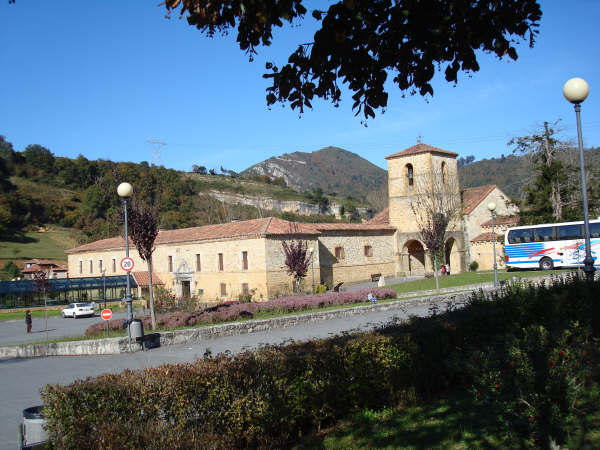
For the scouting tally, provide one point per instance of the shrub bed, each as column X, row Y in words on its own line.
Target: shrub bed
column 270, row 397
column 233, row 311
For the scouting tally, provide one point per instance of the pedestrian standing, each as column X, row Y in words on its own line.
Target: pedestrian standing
column 28, row 320
column 448, row 269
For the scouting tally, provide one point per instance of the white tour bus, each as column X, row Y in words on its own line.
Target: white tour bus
column 550, row 245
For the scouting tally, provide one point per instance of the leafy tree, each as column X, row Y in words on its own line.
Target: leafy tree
column 11, row 270
column 550, row 197
column 143, row 231
column 39, row 158
column 199, row 169
column 360, row 42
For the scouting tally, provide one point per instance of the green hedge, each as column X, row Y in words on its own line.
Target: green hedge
column 271, row 397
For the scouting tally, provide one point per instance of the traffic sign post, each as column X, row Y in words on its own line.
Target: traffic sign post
column 106, row 314
column 127, row 264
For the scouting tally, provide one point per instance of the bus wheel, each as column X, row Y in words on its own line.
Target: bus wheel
column 546, row 264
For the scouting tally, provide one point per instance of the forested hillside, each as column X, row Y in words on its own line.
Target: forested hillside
column 513, row 172
column 39, row 188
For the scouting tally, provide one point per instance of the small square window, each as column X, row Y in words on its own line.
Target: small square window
column 223, row 289
column 339, row 252
column 368, row 251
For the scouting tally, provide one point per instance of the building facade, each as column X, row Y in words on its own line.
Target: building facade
column 246, row 258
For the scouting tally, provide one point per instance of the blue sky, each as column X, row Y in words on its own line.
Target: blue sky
column 102, row 78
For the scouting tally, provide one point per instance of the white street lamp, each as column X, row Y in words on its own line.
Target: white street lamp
column 125, row 190
column 492, row 207
column 576, row 91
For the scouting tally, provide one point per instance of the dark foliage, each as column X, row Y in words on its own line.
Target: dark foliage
column 360, row 42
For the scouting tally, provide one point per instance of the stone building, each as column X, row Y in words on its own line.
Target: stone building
column 226, row 261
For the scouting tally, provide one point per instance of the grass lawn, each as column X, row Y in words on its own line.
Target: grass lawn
column 50, row 244
column 454, row 422
column 35, row 313
column 467, row 278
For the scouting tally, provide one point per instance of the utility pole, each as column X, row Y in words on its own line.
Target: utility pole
column 157, row 146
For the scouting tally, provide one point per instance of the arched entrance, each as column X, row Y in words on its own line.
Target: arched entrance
column 452, row 256
column 416, row 257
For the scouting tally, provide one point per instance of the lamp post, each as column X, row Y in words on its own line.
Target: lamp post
column 125, row 190
column 104, row 295
column 492, row 207
column 576, row 91
column 312, row 266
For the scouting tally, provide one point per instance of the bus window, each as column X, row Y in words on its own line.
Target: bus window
column 544, row 234
column 595, row 230
column 520, row 236
column 566, row 232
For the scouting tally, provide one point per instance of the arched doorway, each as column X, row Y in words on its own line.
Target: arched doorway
column 416, row 257
column 452, row 255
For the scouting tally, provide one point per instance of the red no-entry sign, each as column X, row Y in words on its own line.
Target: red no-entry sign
column 106, row 314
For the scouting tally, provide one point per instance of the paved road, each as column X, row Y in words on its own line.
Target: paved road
column 13, row 332
column 21, row 379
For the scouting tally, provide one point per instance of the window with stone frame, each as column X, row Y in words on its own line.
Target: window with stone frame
column 223, row 289
column 91, row 266
column 244, row 260
column 245, row 289
column 170, row 263
column 81, row 267
column 114, row 265
column 198, row 263
column 100, row 265
column 410, row 175
column 339, row 253
column 220, row 262
column 368, row 251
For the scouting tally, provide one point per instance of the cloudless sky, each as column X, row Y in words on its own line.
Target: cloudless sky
column 102, row 78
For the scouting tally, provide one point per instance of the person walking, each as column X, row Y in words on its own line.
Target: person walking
column 28, row 320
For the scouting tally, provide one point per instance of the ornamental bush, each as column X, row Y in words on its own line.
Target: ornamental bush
column 526, row 352
column 231, row 311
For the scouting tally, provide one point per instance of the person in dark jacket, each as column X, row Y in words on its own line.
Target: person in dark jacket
column 28, row 320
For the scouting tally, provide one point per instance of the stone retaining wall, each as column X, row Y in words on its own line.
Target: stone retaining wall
column 193, row 335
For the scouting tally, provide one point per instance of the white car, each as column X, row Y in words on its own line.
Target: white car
column 77, row 310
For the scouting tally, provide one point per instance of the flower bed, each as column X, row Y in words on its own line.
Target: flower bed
column 234, row 311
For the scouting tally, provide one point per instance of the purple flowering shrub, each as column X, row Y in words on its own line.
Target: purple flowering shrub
column 227, row 312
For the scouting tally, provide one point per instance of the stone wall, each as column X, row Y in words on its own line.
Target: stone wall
column 355, row 265
column 294, row 206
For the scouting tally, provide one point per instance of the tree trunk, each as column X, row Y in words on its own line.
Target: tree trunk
column 151, row 294
column 435, row 272
column 556, row 201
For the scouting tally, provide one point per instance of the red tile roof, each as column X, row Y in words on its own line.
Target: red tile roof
column 352, row 227
column 502, row 220
column 421, row 148
column 141, row 278
column 471, row 197
column 486, row 237
column 241, row 229
column 383, row 218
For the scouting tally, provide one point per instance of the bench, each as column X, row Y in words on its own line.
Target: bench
column 148, row 341
column 375, row 277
